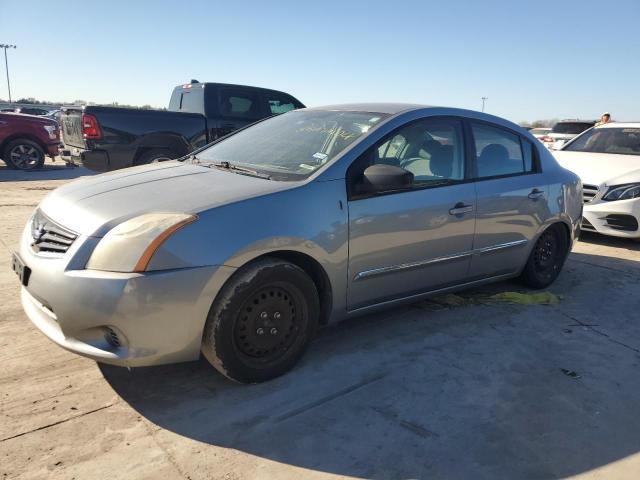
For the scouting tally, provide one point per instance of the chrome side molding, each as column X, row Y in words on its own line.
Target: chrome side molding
column 374, row 272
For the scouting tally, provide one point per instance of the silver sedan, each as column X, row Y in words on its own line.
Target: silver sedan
column 243, row 249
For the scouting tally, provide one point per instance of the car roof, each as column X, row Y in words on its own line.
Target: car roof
column 575, row 120
column 620, row 125
column 231, row 85
column 389, row 108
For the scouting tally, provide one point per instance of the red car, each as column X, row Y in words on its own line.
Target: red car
column 26, row 139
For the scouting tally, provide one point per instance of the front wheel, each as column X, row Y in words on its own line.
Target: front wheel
column 261, row 322
column 547, row 258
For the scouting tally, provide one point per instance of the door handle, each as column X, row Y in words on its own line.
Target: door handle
column 536, row 194
column 460, row 209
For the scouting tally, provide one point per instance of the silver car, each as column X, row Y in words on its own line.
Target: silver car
column 243, row 249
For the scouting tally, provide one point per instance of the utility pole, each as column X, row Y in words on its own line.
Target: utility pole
column 6, row 66
column 484, row 99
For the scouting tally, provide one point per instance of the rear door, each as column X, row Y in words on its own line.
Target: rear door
column 512, row 199
column 71, row 127
column 419, row 238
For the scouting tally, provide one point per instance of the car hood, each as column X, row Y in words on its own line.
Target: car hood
column 601, row 168
column 91, row 206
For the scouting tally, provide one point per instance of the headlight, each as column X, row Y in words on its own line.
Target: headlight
column 129, row 246
column 623, row 192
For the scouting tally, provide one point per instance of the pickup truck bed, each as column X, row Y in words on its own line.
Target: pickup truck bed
column 127, row 136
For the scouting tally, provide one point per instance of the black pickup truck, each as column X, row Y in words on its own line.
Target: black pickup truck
column 108, row 138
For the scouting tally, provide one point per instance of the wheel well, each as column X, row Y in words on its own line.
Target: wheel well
column 142, row 150
column 18, row 136
column 565, row 229
column 315, row 271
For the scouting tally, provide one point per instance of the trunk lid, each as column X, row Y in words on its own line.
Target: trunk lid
column 71, row 127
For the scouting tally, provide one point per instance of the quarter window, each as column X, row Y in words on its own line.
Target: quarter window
column 498, row 152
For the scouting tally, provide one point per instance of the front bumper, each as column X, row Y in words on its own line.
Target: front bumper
column 127, row 319
column 619, row 218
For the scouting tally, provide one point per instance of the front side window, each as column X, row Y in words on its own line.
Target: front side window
column 621, row 141
column 498, row 152
column 432, row 149
column 294, row 145
column 279, row 103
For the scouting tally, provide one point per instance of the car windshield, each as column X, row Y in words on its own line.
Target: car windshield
column 539, row 131
column 293, row 145
column 622, row 141
column 572, row 128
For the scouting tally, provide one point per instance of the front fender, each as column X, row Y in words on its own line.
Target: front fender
column 310, row 219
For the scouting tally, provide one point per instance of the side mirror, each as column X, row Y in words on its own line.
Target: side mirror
column 381, row 177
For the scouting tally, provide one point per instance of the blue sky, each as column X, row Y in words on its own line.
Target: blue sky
column 533, row 60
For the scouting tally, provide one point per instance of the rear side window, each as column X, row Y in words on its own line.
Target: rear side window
column 279, row 103
column 498, row 152
column 239, row 104
column 191, row 101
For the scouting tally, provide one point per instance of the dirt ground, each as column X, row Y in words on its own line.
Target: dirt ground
column 461, row 386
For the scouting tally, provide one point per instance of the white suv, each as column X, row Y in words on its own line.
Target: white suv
column 607, row 159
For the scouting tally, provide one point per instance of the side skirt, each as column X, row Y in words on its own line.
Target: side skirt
column 421, row 296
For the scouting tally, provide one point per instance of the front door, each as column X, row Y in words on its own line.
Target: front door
column 416, row 239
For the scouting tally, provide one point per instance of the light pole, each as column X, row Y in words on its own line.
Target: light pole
column 484, row 99
column 6, row 66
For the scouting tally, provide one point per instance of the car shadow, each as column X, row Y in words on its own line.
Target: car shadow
column 50, row 171
column 605, row 240
column 435, row 389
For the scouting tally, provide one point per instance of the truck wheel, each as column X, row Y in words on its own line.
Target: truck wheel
column 23, row 154
column 261, row 322
column 155, row 156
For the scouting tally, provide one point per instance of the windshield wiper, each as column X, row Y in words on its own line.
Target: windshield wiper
column 241, row 170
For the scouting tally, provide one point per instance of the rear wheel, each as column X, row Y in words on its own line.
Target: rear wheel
column 155, row 156
column 23, row 154
column 261, row 322
column 547, row 258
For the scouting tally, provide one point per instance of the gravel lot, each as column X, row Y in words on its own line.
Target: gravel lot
column 456, row 387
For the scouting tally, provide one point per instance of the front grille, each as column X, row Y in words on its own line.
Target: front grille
column 589, row 192
column 625, row 223
column 49, row 237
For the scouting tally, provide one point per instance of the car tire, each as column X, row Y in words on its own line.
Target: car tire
column 155, row 156
column 546, row 258
column 261, row 321
column 23, row 154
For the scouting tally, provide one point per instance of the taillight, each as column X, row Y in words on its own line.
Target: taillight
column 546, row 138
column 90, row 127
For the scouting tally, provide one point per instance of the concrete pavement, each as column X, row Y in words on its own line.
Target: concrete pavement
column 454, row 387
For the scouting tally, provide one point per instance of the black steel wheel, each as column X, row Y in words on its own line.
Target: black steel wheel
column 261, row 322
column 23, row 154
column 547, row 257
